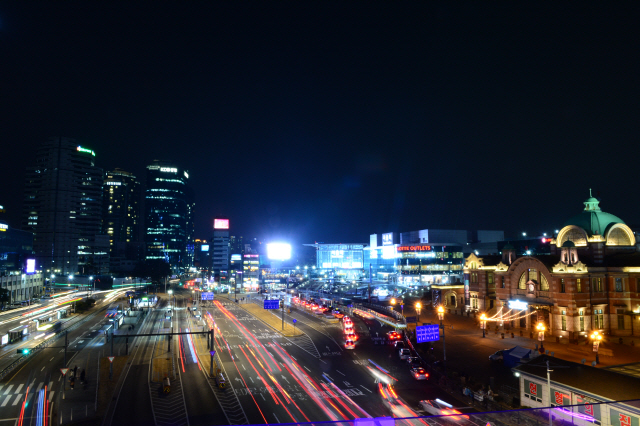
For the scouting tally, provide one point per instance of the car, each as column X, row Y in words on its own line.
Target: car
column 497, row 357
column 349, row 344
column 419, row 373
column 351, row 336
column 348, row 327
column 399, row 344
column 393, row 335
column 437, row 407
column 404, row 353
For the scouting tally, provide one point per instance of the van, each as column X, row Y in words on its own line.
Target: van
column 404, row 353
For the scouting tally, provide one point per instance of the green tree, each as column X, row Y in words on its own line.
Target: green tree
column 4, row 296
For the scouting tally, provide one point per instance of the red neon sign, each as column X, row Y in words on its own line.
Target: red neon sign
column 414, row 248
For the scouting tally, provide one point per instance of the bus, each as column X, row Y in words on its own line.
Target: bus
column 113, row 310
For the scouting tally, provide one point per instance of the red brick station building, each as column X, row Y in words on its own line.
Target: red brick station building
column 590, row 281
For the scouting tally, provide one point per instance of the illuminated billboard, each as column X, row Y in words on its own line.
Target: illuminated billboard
column 279, row 251
column 31, row 266
column 220, row 223
column 236, row 257
column 387, row 239
column 204, row 247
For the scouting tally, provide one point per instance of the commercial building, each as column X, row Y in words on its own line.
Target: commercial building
column 63, row 208
column 590, row 281
column 169, row 215
column 340, row 261
column 121, row 208
column 221, row 249
column 579, row 394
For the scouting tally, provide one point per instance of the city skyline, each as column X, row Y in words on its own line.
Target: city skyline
column 390, row 119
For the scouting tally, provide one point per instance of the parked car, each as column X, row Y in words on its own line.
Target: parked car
column 497, row 357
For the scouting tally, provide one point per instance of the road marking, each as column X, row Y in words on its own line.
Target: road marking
column 42, row 369
column 8, row 389
column 60, row 377
column 51, row 395
column 61, row 350
column 39, row 387
column 341, row 372
column 365, row 389
column 50, row 384
column 19, row 388
column 52, row 358
column 245, row 368
column 5, row 401
column 293, row 357
column 251, row 378
column 274, row 415
column 17, row 399
column 305, row 367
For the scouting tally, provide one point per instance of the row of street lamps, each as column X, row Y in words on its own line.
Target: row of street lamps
column 596, row 337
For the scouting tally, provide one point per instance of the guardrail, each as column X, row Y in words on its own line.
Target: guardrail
column 44, row 344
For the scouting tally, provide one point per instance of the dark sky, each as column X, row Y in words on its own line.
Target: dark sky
column 329, row 121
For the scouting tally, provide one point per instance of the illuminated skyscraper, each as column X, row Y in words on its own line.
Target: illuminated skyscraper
column 63, row 206
column 169, row 215
column 121, row 208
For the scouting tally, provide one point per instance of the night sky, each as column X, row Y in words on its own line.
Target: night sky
column 328, row 121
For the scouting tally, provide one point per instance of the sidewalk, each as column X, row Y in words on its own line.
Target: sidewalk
column 458, row 325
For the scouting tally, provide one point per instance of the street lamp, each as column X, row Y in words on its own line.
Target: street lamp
column 597, row 338
column 393, row 302
column 441, row 318
column 418, row 308
column 483, row 318
column 541, row 328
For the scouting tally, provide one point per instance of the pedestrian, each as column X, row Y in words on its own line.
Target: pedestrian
column 72, row 382
column 82, row 376
column 75, row 370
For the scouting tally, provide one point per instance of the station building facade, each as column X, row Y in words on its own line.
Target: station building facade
column 589, row 281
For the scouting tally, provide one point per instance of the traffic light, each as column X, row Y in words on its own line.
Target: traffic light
column 24, row 351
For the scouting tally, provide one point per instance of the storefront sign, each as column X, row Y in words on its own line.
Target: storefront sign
column 622, row 419
column 415, row 248
column 518, row 305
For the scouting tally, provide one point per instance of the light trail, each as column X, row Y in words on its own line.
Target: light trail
column 242, row 378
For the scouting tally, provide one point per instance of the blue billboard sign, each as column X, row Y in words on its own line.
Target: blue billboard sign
column 427, row 333
column 206, row 295
column 272, row 304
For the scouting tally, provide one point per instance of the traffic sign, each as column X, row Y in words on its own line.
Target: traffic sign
column 212, row 353
column 207, row 295
column 64, row 371
column 111, row 358
column 427, row 333
column 272, row 304
column 412, row 320
column 295, row 320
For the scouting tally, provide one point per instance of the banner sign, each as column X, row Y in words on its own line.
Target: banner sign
column 427, row 333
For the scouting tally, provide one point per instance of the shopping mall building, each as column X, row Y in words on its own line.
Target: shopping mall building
column 590, row 281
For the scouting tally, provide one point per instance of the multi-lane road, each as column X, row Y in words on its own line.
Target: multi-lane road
column 269, row 378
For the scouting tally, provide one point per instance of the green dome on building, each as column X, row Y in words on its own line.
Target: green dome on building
column 593, row 220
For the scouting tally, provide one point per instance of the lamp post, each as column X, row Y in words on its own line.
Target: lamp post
column 597, row 338
column 393, row 302
column 541, row 328
column 483, row 318
column 418, row 308
column 444, row 347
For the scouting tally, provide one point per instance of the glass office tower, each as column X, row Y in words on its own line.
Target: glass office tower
column 169, row 215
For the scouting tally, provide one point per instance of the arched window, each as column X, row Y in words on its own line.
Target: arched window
column 544, row 284
column 522, row 284
column 618, row 237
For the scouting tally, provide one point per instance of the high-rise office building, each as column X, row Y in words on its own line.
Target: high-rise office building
column 63, row 206
column 220, row 257
column 169, row 215
column 121, row 208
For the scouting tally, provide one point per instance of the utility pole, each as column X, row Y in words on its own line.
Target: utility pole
column 283, row 315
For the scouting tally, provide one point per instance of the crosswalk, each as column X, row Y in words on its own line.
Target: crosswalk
column 11, row 396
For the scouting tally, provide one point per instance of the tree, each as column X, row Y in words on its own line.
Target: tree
column 4, row 296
